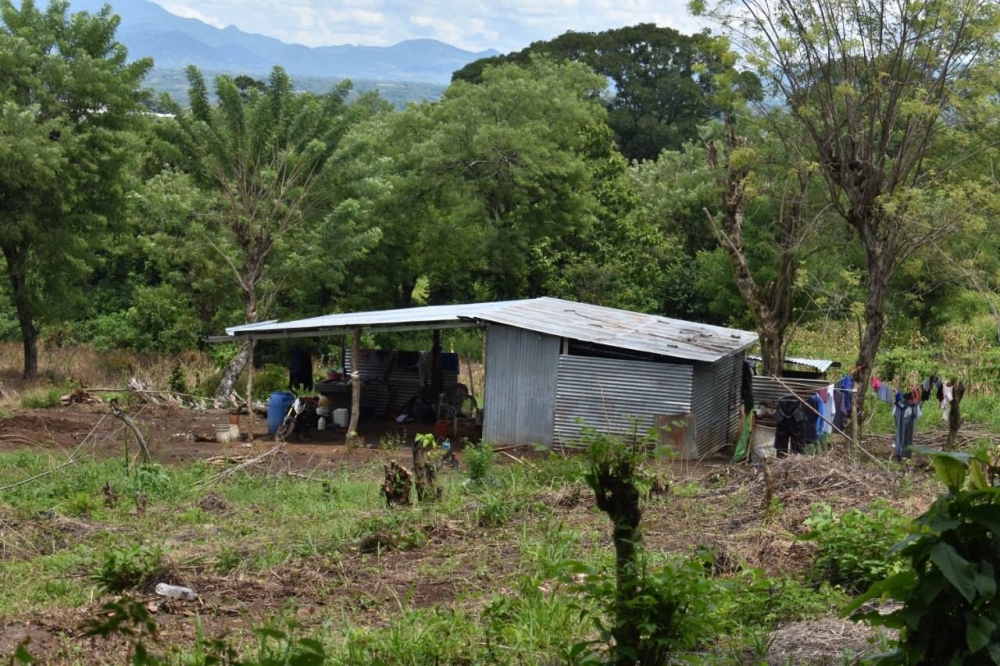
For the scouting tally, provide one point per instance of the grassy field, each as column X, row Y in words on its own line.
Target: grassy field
column 484, row 576
column 299, row 556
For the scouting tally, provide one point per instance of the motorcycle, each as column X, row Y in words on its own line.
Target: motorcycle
column 300, row 418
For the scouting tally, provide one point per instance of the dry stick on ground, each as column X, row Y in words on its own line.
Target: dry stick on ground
column 248, row 463
column 130, row 424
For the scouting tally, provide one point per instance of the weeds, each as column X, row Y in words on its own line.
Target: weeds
column 125, row 568
column 479, row 460
column 853, row 548
column 42, row 398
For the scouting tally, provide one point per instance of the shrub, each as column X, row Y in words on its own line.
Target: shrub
column 756, row 600
column 672, row 608
column 480, row 460
column 45, row 398
column 853, row 548
column 951, row 600
column 123, row 568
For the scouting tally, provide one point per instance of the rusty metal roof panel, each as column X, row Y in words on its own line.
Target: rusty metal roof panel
column 621, row 328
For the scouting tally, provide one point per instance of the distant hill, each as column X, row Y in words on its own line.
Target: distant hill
column 174, row 42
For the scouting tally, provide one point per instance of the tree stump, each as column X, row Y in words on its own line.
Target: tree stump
column 397, row 484
column 425, row 474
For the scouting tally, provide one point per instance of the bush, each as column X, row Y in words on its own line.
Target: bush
column 759, row 601
column 673, row 607
column 951, row 601
column 480, row 460
column 123, row 568
column 45, row 398
column 853, row 548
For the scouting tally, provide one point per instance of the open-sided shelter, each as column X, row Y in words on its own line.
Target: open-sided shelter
column 554, row 367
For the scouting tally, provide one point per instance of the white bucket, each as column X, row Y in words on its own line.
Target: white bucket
column 222, row 433
column 340, row 417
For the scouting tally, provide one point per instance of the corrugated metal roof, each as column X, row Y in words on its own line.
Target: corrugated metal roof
column 565, row 319
column 822, row 365
column 623, row 329
column 336, row 324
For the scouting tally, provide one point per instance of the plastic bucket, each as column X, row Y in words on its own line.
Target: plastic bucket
column 340, row 417
column 277, row 407
column 222, row 434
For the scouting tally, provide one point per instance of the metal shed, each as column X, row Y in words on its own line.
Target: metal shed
column 555, row 366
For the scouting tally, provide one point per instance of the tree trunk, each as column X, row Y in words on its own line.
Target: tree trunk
column 232, row 374
column 17, row 270
column 618, row 497
column 228, row 384
column 352, row 427
column 772, row 341
column 877, row 285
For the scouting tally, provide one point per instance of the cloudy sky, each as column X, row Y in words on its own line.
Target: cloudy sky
column 476, row 25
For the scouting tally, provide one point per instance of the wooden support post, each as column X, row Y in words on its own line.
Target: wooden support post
column 250, row 416
column 855, row 418
column 352, row 428
column 437, row 381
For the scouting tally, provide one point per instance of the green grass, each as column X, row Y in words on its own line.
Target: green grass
column 43, row 398
column 480, row 577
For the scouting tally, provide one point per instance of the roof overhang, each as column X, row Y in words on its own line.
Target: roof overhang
column 651, row 334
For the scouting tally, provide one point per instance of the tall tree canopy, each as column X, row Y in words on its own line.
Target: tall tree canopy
column 471, row 191
column 662, row 80
column 68, row 102
column 262, row 152
column 871, row 84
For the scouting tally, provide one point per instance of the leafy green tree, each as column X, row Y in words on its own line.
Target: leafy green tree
column 262, row 155
column 662, row 81
column 871, row 85
column 470, row 192
column 69, row 100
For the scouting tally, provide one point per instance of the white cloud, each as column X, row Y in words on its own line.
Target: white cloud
column 477, row 25
column 188, row 12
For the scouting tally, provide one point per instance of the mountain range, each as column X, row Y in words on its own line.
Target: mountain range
column 147, row 29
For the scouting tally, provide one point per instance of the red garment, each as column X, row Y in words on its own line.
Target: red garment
column 876, row 383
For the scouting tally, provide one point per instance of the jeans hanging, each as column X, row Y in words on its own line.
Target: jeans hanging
column 906, row 418
column 790, row 428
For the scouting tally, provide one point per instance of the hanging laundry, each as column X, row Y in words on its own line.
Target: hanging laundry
column 846, row 384
column 876, row 383
column 905, row 412
column 821, row 419
column 947, row 393
column 927, row 387
column 842, row 402
column 791, row 426
column 886, row 394
column 831, row 410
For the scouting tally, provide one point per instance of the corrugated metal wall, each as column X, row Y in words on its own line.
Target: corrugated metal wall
column 767, row 391
column 403, row 383
column 716, row 402
column 521, row 368
column 615, row 396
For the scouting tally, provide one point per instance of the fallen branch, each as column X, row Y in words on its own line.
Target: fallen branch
column 248, row 463
column 519, row 460
column 130, row 424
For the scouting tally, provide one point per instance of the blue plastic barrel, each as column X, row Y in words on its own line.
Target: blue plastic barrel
column 277, row 407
